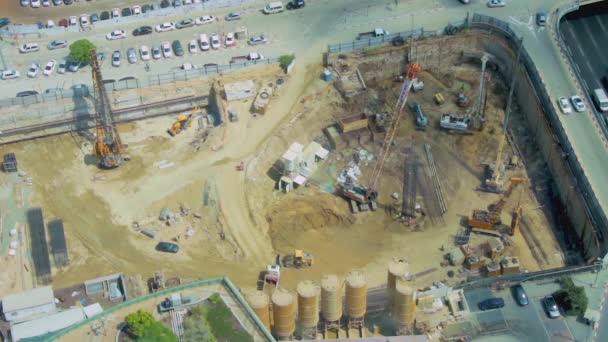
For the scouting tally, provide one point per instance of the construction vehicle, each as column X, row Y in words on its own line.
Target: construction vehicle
column 462, row 100
column 108, row 147
column 499, row 205
column 483, row 219
column 455, row 122
column 365, row 197
column 377, row 32
column 421, row 120
column 439, row 99
column 299, row 259
column 273, row 274
column 184, row 121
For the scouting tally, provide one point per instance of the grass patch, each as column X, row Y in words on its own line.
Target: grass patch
column 213, row 321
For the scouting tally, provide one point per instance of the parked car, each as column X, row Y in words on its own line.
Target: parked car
column 126, row 12
column 50, row 67
column 497, row 3
column 164, row 27
column 84, row 20
column 57, row 2
column 49, row 24
column 25, row 3
column 46, row 3
column 73, row 21
column 94, row 18
column 115, row 13
column 520, row 295
column 578, row 104
column 185, row 23
column 105, row 15
column 4, row 21
column 144, row 52
column 564, row 105
column 177, row 3
column 177, row 48
column 74, row 66
column 229, row 40
column 62, row 67
column 295, row 4
column 26, row 93
column 215, row 41
column 551, row 307
column 33, row 70
column 116, row 58
column 116, row 34
column 35, row 3
column 233, row 16
column 256, row 40
column 132, row 56
column 167, row 52
column 29, row 47
column 205, row 19
column 192, row 46
column 165, row 4
column 491, row 303
column 136, row 10
column 167, row 247
column 147, row 8
column 156, row 52
column 541, row 18
column 204, row 40
column 57, row 44
column 143, row 30
column 68, row 2
column 63, row 23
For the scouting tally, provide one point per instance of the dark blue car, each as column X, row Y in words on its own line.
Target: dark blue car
column 491, row 303
column 4, row 21
column 520, row 295
column 167, row 247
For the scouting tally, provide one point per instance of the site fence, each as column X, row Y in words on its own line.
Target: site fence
column 596, row 213
column 233, row 290
column 133, row 83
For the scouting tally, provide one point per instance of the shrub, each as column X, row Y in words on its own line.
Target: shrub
column 285, row 60
column 572, row 298
column 80, row 51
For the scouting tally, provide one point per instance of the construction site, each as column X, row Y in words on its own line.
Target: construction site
column 300, row 186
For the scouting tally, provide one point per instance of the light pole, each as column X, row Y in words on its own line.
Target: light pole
column 2, row 55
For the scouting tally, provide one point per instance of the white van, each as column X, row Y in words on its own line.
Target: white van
column 600, row 99
column 204, row 40
column 274, row 7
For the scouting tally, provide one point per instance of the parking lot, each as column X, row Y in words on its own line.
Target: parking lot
column 527, row 323
column 585, row 33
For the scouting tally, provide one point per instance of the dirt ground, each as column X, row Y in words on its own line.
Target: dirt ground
column 233, row 223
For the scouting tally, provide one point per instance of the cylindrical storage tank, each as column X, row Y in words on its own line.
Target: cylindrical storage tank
column 331, row 298
column 404, row 306
column 397, row 268
column 283, row 313
column 308, row 303
column 260, row 304
column 356, row 294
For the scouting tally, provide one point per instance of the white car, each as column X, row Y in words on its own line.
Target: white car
column 564, row 105
column 497, row 3
column 50, row 66
column 84, row 20
column 9, row 74
column 62, row 67
column 117, row 34
column 164, row 27
column 229, row 41
column 187, row 2
column 73, row 21
column 205, row 19
column 115, row 13
column 215, row 41
column 144, row 51
column 46, row 3
column 29, row 47
column 33, row 70
column 136, row 10
column 204, row 42
column 166, row 47
column 35, row 3
column 578, row 103
column 192, row 46
column 156, row 52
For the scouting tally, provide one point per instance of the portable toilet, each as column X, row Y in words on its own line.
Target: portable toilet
column 327, row 76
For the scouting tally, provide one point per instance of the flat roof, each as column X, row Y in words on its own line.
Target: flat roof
column 47, row 324
column 27, row 299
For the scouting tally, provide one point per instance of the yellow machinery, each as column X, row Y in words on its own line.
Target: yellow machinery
column 183, row 122
column 108, row 146
column 497, row 207
column 439, row 99
column 298, row 259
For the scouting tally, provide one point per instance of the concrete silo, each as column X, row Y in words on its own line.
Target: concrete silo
column 308, row 308
column 356, row 298
column 260, row 304
column 331, row 301
column 283, row 314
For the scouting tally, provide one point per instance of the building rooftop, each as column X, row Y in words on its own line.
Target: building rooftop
column 47, row 324
column 27, row 299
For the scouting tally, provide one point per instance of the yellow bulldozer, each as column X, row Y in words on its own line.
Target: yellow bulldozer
column 299, row 259
column 183, row 122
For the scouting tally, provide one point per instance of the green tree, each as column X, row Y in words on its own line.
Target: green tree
column 285, row 60
column 139, row 321
column 572, row 298
column 80, row 50
column 158, row 332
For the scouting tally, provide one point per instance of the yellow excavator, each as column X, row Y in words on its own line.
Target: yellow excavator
column 183, row 122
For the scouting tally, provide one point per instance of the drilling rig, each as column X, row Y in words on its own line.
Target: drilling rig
column 366, row 196
column 108, row 147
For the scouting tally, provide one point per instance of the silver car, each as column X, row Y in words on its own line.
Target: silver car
column 156, row 54
column 132, row 56
column 62, row 66
column 57, row 44
column 116, row 58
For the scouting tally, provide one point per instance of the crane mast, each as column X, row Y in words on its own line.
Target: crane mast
column 108, row 147
column 412, row 72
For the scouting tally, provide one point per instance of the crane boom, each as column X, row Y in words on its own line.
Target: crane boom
column 412, row 71
column 108, row 147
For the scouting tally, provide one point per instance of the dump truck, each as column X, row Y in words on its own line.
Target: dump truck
column 377, row 32
column 299, row 259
